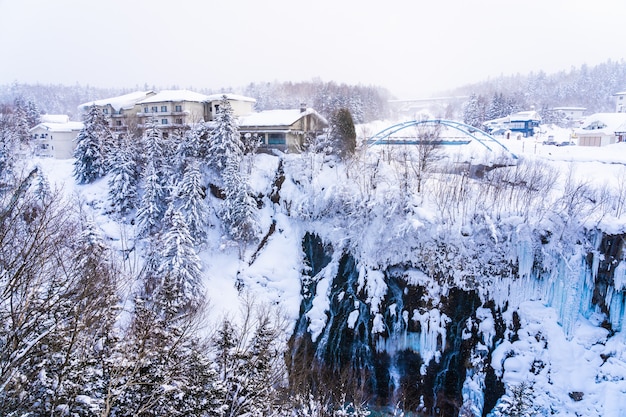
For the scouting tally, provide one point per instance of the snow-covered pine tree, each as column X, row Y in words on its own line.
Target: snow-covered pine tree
column 179, row 268
column 153, row 201
column 342, row 134
column 225, row 142
column 238, row 211
column 8, row 145
column 474, row 111
column 249, row 360
column 20, row 124
column 90, row 151
column 124, row 177
column 189, row 198
column 226, row 156
column 517, row 402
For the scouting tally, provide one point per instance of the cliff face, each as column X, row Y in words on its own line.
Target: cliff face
column 416, row 337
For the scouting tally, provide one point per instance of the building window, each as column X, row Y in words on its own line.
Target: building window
column 155, row 109
column 179, row 108
column 163, row 109
column 276, row 139
column 145, row 110
column 217, row 108
column 179, row 121
column 118, row 123
column 105, row 111
column 163, row 121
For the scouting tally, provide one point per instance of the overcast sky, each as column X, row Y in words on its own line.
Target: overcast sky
column 415, row 48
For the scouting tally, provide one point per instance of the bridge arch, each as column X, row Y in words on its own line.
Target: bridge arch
column 482, row 137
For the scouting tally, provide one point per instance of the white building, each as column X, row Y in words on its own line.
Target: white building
column 55, row 136
column 601, row 129
column 620, row 102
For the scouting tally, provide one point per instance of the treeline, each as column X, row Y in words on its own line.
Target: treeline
column 586, row 86
column 365, row 103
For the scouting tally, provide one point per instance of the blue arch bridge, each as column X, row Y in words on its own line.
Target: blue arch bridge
column 386, row 136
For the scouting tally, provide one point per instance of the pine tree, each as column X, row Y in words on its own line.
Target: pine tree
column 225, row 143
column 124, row 178
column 518, row 402
column 474, row 111
column 153, row 202
column 8, row 147
column 189, row 197
column 239, row 208
column 20, row 124
column 342, row 133
column 179, row 267
column 226, row 151
column 90, row 151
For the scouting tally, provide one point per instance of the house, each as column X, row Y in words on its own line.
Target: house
column 525, row 123
column 572, row 115
column 620, row 102
column 286, row 130
column 181, row 108
column 121, row 110
column 241, row 105
column 55, row 136
column 602, row 129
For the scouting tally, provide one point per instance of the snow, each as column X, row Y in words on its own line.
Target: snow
column 59, row 127
column 229, row 96
column 175, row 96
column 119, row 102
column 275, row 117
column 562, row 346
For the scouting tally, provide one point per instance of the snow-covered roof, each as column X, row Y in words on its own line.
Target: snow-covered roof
column 607, row 123
column 621, row 93
column 276, row 117
column 119, row 102
column 234, row 97
column 515, row 117
column 54, row 118
column 524, row 115
column 59, row 127
column 175, row 96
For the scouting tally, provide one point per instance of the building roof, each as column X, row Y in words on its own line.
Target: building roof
column 604, row 123
column 54, row 118
column 175, row 96
column 59, row 127
column 276, row 117
column 621, row 93
column 525, row 115
column 119, row 102
column 234, row 97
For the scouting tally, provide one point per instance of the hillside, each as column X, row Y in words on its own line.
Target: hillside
column 440, row 301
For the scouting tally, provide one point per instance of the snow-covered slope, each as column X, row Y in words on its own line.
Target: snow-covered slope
column 447, row 297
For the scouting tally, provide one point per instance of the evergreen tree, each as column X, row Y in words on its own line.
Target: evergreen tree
column 153, row 202
column 342, row 133
column 225, row 143
column 124, row 177
column 239, row 208
column 8, row 147
column 249, row 363
column 20, row 121
column 474, row 111
column 518, row 402
column 179, row 267
column 189, row 197
column 90, row 152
